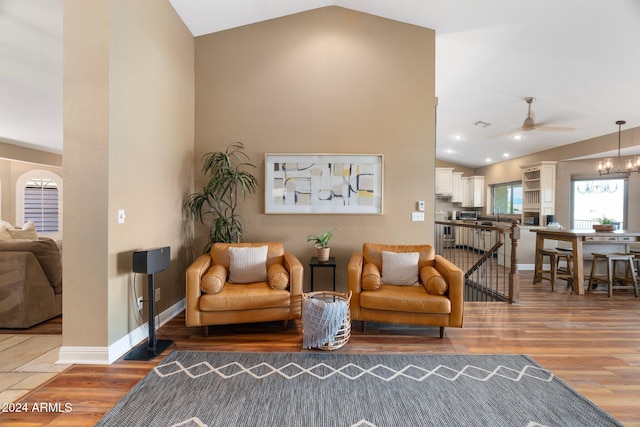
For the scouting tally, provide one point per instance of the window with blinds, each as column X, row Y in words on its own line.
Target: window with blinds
column 41, row 204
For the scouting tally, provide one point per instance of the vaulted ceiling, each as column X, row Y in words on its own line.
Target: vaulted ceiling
column 577, row 58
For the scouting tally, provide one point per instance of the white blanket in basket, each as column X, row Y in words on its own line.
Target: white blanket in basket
column 321, row 321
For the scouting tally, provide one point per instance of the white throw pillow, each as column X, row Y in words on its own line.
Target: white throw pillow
column 248, row 264
column 28, row 231
column 4, row 233
column 400, row 268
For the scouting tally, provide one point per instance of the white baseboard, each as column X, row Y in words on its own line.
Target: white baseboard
column 107, row 355
column 524, row 267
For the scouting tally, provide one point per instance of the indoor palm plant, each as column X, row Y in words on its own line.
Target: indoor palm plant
column 320, row 242
column 228, row 179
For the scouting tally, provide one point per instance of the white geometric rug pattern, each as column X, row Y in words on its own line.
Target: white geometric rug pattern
column 353, row 371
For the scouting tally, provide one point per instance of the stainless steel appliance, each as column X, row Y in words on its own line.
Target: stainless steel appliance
column 468, row 215
column 447, row 238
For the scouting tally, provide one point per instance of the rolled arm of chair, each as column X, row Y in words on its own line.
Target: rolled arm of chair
column 455, row 278
column 354, row 280
column 194, row 275
column 296, row 278
column 354, row 270
column 296, row 273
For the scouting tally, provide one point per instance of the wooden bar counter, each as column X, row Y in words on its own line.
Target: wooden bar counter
column 577, row 238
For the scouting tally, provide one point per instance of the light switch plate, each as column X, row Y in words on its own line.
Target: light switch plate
column 121, row 216
column 417, row 216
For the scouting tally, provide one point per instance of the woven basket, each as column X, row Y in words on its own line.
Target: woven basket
column 344, row 333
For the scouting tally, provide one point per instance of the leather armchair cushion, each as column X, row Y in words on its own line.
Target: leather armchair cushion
column 371, row 280
column 245, row 297
column 278, row 277
column 433, row 281
column 213, row 281
column 406, row 299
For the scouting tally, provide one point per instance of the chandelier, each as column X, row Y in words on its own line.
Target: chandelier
column 633, row 165
column 596, row 187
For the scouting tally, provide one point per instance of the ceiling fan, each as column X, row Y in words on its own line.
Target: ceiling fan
column 530, row 124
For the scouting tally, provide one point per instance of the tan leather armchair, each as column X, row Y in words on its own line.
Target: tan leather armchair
column 213, row 299
column 436, row 300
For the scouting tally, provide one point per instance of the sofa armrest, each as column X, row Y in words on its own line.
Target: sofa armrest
column 27, row 296
column 354, row 270
column 296, row 273
column 354, row 280
column 195, row 272
column 455, row 278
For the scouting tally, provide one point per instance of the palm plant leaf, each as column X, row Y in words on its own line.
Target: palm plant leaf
column 227, row 180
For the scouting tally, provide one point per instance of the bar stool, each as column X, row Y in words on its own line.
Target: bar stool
column 636, row 261
column 629, row 280
column 554, row 272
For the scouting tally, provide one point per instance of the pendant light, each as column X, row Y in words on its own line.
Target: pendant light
column 605, row 166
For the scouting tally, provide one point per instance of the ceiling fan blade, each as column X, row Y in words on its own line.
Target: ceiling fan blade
column 555, row 128
column 509, row 132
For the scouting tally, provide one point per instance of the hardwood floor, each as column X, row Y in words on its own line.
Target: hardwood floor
column 591, row 342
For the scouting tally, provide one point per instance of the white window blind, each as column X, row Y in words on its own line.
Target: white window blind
column 41, row 204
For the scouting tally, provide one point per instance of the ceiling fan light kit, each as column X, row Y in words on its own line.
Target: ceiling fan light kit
column 605, row 166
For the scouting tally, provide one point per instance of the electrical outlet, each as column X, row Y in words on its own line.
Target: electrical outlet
column 139, row 301
column 157, row 295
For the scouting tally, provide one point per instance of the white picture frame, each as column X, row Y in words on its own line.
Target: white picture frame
column 323, row 183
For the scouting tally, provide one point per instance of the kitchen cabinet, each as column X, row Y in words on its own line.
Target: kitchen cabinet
column 473, row 238
column 456, row 187
column 538, row 192
column 526, row 250
column 444, row 181
column 463, row 237
column 473, row 191
column 483, row 239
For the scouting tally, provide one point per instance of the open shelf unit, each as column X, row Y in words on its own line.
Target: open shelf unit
column 538, row 192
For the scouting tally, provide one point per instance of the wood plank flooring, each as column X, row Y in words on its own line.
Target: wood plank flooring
column 591, row 342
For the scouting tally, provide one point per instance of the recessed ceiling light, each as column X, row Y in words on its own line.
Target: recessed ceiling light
column 449, row 151
column 487, row 160
column 457, row 137
column 481, row 124
column 517, row 137
column 505, row 155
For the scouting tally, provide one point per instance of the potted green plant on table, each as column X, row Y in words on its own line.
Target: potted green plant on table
column 228, row 179
column 604, row 224
column 321, row 242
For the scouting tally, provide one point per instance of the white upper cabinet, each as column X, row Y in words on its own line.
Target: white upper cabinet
column 444, row 181
column 473, row 191
column 457, row 192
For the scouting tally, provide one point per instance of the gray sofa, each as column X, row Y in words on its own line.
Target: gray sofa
column 30, row 282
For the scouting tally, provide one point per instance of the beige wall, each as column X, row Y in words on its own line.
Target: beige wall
column 326, row 81
column 128, row 144
column 10, row 150
column 10, row 172
column 15, row 160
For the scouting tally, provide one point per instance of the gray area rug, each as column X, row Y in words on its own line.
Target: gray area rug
column 337, row 389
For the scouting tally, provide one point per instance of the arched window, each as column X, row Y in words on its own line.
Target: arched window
column 39, row 199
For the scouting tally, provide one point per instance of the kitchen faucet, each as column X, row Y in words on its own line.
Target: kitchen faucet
column 495, row 208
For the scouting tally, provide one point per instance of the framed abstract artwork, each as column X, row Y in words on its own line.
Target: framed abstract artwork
column 323, row 183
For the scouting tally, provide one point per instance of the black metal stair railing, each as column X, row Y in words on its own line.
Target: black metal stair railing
column 487, row 253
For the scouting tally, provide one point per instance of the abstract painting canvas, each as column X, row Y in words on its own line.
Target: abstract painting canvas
column 323, row 183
